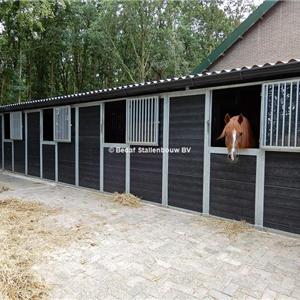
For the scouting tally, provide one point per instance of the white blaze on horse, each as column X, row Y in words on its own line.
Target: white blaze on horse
column 238, row 135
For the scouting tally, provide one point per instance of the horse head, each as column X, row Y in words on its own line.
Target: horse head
column 237, row 134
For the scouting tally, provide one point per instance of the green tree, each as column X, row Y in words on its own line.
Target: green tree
column 52, row 47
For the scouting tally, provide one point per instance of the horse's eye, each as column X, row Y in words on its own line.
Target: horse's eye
column 241, row 133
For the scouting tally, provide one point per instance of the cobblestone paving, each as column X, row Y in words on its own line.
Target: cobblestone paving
column 157, row 253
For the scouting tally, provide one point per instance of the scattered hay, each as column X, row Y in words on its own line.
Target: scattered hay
column 127, row 199
column 24, row 239
column 18, row 282
column 4, row 188
column 231, row 228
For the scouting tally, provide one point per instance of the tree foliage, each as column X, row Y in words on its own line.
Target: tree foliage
column 52, row 47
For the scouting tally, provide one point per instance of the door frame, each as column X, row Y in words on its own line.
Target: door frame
column 208, row 150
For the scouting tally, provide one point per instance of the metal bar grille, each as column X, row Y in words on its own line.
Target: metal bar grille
column 290, row 114
column 142, row 121
column 265, row 91
column 281, row 121
column 62, row 124
column 16, row 125
column 277, row 114
column 297, row 129
column 271, row 114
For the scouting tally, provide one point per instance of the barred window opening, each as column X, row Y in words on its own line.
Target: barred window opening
column 16, row 125
column 282, row 126
column 62, row 124
column 142, row 121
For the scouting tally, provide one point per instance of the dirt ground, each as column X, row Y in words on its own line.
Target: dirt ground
column 60, row 242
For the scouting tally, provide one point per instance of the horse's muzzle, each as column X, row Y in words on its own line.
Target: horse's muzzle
column 233, row 156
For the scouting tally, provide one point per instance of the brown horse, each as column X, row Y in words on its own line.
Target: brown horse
column 238, row 134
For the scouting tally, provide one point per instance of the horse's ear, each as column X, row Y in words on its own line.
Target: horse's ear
column 227, row 118
column 241, row 118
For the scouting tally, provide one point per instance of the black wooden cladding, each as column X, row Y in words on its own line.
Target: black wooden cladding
column 49, row 162
column 146, row 176
column 232, row 187
column 66, row 156
column 282, row 191
column 114, row 171
column 89, row 145
column 19, row 151
column 19, row 156
column 33, row 143
column 186, row 170
column 146, row 169
column 8, row 156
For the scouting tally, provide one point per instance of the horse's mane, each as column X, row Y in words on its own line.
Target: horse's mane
column 247, row 139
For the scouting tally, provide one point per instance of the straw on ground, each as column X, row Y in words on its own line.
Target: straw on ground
column 127, row 199
column 24, row 239
column 4, row 188
column 230, row 228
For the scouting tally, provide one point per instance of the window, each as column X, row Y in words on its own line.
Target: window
column 7, row 126
column 142, row 121
column 234, row 101
column 48, row 124
column 16, row 128
column 281, row 111
column 62, row 122
column 134, row 121
column 115, row 122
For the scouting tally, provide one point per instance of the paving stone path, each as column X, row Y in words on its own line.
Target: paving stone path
column 157, row 253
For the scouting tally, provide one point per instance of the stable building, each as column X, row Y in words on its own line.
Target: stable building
column 115, row 140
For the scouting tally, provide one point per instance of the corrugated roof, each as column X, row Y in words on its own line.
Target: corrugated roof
column 235, row 35
column 160, row 86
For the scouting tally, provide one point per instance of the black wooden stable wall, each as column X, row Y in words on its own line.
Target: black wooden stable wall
column 185, row 188
column 89, row 147
column 186, row 170
column 7, row 156
column 232, row 187
column 48, row 161
column 33, row 143
column 282, row 191
column 114, row 171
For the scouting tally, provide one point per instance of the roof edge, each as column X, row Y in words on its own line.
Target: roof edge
column 235, row 35
column 255, row 73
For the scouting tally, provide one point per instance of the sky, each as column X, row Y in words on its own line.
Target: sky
column 258, row 2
